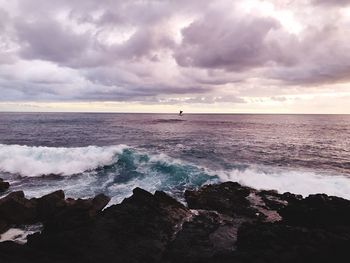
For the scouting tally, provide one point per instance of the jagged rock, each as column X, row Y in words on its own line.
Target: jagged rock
column 205, row 235
column 138, row 229
column 16, row 209
column 49, row 204
column 73, row 213
column 156, row 228
column 227, row 198
column 317, row 210
column 273, row 200
column 51, row 209
column 3, row 185
column 98, row 203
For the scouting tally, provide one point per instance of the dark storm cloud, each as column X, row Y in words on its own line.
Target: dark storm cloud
column 143, row 50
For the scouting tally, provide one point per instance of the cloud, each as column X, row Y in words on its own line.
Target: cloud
column 49, row 40
column 332, row 2
column 171, row 51
column 233, row 43
column 280, row 99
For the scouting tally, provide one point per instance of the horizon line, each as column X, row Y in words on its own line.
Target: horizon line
column 167, row 113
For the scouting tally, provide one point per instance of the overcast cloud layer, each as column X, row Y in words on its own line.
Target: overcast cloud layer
column 173, row 52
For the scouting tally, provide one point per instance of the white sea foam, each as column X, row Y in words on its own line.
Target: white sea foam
column 37, row 161
column 19, row 235
column 155, row 173
column 296, row 181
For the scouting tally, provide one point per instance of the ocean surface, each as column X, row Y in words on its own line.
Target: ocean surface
column 85, row 154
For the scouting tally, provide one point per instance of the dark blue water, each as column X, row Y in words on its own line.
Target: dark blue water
column 86, row 153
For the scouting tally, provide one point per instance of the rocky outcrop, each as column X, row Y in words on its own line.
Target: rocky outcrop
column 16, row 210
column 227, row 198
column 222, row 223
column 317, row 210
column 3, row 186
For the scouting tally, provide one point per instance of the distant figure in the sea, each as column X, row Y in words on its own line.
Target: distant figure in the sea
column 180, row 114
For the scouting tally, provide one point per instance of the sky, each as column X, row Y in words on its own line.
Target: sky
column 247, row 56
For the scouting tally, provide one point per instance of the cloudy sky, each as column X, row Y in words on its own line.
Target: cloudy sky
column 278, row 56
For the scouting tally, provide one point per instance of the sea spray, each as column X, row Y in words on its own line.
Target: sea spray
column 115, row 170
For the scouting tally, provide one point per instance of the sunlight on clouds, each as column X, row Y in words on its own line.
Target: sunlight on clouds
column 285, row 17
column 274, row 56
column 329, row 103
column 346, row 13
column 116, row 35
column 176, row 24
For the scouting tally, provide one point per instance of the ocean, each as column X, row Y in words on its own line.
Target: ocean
column 90, row 153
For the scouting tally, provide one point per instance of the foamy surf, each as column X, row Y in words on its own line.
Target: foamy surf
column 37, row 161
column 284, row 180
column 116, row 170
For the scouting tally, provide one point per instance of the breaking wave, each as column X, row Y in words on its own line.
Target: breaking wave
column 294, row 181
column 38, row 161
column 116, row 170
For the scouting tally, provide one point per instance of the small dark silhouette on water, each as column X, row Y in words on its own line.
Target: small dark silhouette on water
column 180, row 114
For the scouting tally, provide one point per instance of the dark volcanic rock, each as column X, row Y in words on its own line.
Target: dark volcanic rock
column 317, row 210
column 205, row 235
column 49, row 204
column 266, row 242
column 227, row 198
column 16, row 209
column 3, row 185
column 138, row 229
column 51, row 209
column 3, row 226
column 227, row 223
column 71, row 214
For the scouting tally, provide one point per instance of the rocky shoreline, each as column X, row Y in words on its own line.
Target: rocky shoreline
column 221, row 223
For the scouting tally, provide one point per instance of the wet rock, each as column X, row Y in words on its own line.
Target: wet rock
column 3, row 185
column 137, row 230
column 262, row 204
column 272, row 199
column 51, row 209
column 205, row 235
column 223, row 226
column 227, row 198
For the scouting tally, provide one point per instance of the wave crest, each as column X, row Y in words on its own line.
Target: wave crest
column 294, row 181
column 115, row 170
column 37, row 161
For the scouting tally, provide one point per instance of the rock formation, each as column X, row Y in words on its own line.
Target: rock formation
column 221, row 223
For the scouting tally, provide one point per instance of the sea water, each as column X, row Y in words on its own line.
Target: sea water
column 86, row 153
